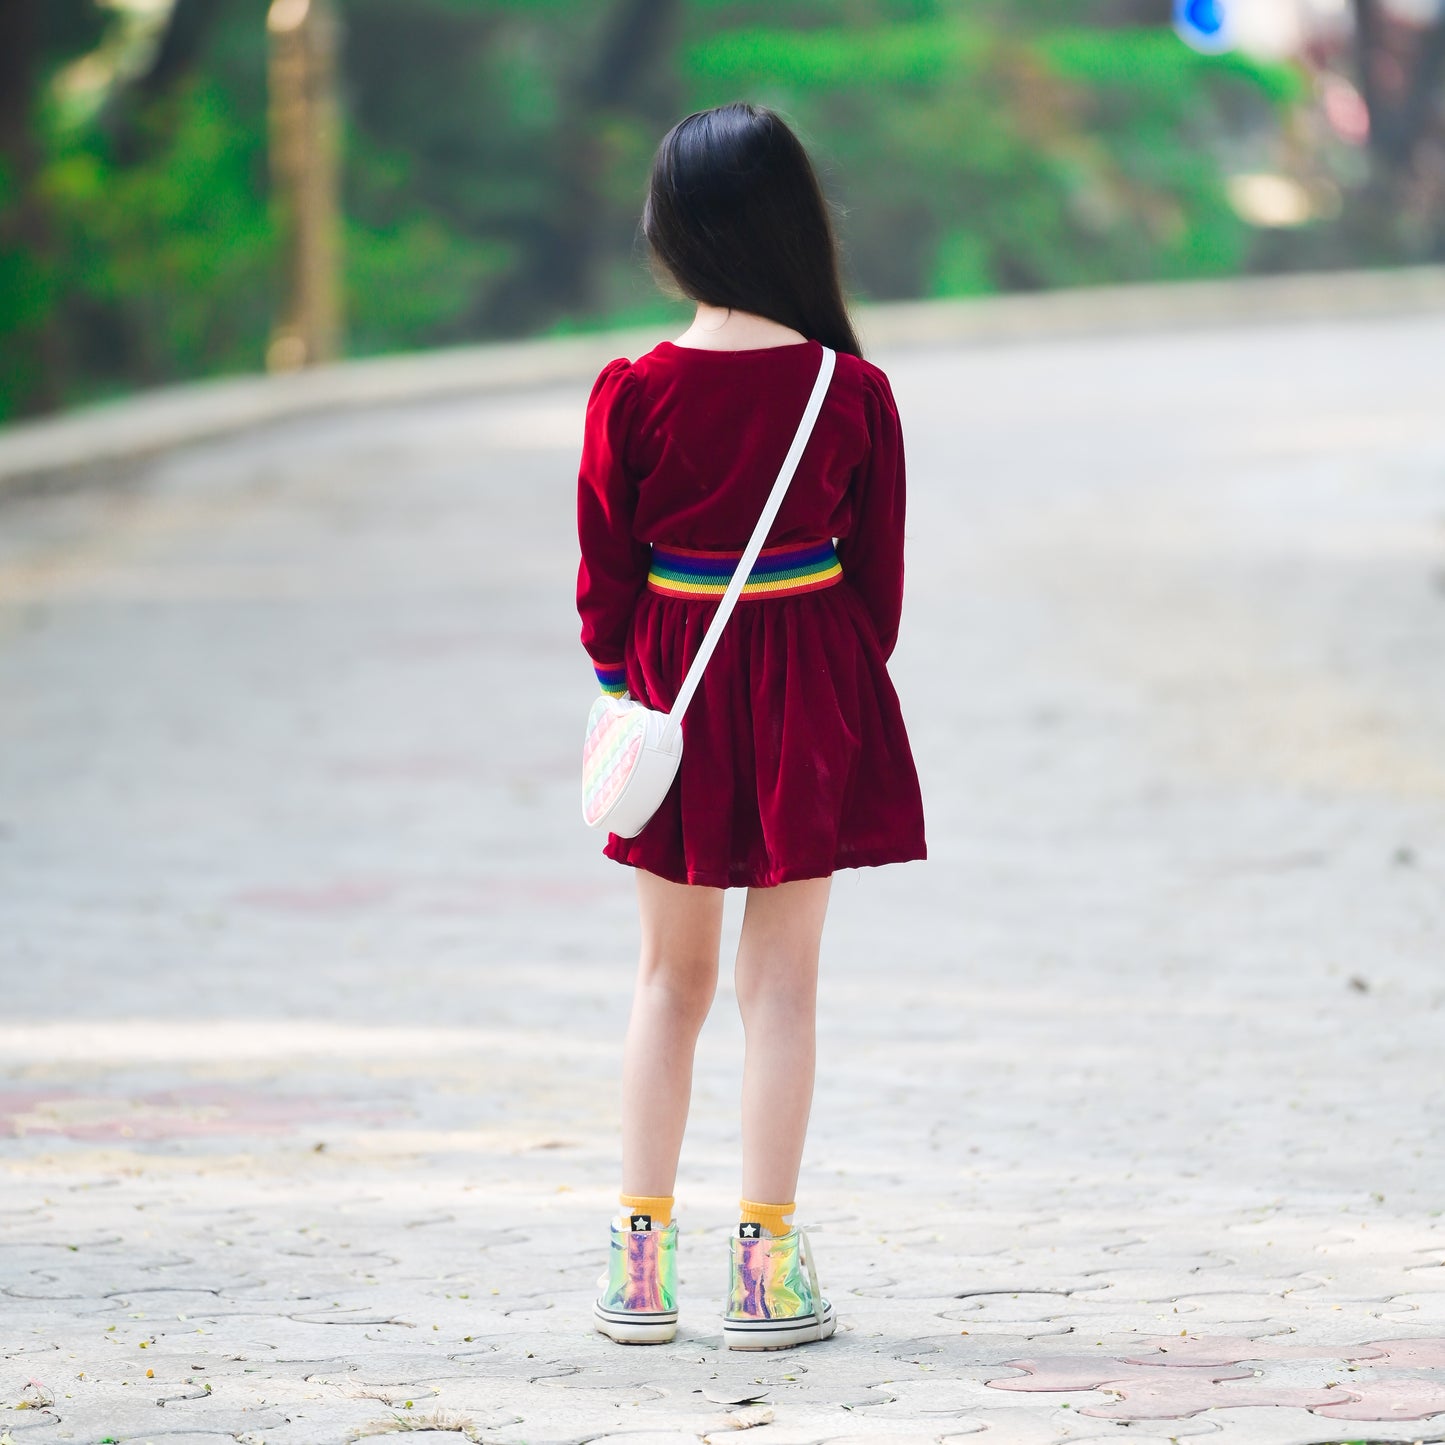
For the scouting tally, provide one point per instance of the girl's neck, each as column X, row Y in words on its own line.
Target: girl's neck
column 717, row 328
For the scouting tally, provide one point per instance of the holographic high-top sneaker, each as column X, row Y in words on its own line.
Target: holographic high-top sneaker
column 638, row 1303
column 773, row 1296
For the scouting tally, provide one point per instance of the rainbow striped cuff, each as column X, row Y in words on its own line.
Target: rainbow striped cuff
column 611, row 677
column 778, row 572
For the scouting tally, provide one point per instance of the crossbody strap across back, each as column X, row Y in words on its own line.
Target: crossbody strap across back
column 755, row 542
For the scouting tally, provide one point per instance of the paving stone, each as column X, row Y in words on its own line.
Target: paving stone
column 1283, row 1425
column 1390, row 1399
column 1086, row 1372
column 1425, row 1354
column 1030, row 1428
column 1175, row 1394
column 1225, row 1349
column 1418, row 1309
column 1134, row 1437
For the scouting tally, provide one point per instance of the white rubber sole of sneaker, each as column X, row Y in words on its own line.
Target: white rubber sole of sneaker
column 631, row 1327
column 777, row 1334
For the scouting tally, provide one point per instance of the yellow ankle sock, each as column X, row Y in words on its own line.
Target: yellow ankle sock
column 770, row 1216
column 659, row 1206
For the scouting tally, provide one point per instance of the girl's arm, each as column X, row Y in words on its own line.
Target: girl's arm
column 872, row 552
column 614, row 565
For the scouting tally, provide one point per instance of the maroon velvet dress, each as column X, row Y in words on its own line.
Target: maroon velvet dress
column 795, row 759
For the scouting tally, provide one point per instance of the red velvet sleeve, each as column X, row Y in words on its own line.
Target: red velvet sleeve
column 614, row 564
column 872, row 552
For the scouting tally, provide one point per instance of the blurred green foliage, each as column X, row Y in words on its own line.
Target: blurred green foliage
column 496, row 155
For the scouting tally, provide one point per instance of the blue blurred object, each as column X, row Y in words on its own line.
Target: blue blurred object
column 1204, row 24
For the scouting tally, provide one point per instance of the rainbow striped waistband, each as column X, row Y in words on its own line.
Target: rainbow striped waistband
column 778, row 572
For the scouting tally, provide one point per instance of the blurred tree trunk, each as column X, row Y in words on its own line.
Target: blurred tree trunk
column 1399, row 70
column 629, row 71
column 1417, row 110
column 1398, row 122
column 25, row 240
column 305, row 137
column 19, row 44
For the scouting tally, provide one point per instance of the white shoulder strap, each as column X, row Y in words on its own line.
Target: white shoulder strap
column 755, row 542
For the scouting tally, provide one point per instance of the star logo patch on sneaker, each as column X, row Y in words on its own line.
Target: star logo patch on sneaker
column 749, row 1231
column 641, row 1221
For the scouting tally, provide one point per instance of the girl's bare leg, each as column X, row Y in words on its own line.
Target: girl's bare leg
column 777, row 988
column 676, row 981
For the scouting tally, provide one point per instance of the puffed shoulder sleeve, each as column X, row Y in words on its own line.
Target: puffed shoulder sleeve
column 614, row 564
column 872, row 552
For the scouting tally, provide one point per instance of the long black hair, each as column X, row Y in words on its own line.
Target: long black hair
column 735, row 217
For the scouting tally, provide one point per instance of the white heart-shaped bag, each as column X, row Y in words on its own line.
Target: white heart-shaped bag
column 632, row 753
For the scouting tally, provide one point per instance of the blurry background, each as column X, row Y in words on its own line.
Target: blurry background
column 493, row 155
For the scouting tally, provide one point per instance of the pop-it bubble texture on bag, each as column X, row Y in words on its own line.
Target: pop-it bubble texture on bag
column 613, row 745
column 629, row 759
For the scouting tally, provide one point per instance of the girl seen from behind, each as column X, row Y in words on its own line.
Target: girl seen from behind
column 796, row 760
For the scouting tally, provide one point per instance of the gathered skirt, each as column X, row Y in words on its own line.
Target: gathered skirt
column 795, row 759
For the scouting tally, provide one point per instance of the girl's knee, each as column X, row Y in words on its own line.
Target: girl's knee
column 683, row 985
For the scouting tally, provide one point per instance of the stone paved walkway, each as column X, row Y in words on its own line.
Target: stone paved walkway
column 1129, row 1117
